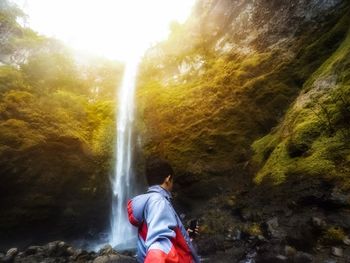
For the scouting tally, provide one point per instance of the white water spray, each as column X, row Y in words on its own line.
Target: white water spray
column 153, row 28
column 123, row 235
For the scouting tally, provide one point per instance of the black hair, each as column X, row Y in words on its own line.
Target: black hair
column 157, row 170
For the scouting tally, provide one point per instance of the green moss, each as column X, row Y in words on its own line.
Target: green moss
column 18, row 134
column 276, row 167
column 318, row 163
column 264, row 147
column 304, row 134
column 11, row 78
column 212, row 115
column 307, row 150
column 253, row 229
column 333, row 236
column 340, row 54
column 312, row 139
column 318, row 51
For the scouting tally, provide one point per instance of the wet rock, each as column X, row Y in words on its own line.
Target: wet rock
column 336, row 251
column 129, row 253
column 20, row 254
column 272, row 229
column 261, row 238
column 71, row 251
column 81, row 255
column 33, row 250
column 50, row 248
column 56, row 249
column 114, row 259
column 106, row 250
column 346, row 241
column 12, row 252
column 281, row 258
column 79, row 252
column 272, row 223
column 60, row 252
column 62, row 244
column 10, row 255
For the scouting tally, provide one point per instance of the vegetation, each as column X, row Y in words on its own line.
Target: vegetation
column 56, row 129
column 253, row 230
column 314, row 137
column 333, row 235
column 203, row 108
column 225, row 115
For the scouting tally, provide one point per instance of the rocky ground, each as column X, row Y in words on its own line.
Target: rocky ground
column 60, row 252
column 242, row 247
column 309, row 226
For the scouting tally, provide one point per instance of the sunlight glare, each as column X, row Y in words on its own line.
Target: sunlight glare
column 115, row 29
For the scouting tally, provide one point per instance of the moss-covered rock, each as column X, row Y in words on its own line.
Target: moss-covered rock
column 202, row 105
column 313, row 138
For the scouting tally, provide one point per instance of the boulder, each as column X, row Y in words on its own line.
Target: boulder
column 336, row 251
column 106, row 250
column 71, row 251
column 12, row 252
column 281, row 258
column 346, row 241
column 114, row 259
column 33, row 250
column 272, row 229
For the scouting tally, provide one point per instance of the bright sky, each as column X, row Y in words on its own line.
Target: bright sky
column 116, row 29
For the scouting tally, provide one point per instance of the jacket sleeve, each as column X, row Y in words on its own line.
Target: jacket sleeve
column 161, row 223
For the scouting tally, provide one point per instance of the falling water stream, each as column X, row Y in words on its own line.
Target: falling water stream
column 124, row 184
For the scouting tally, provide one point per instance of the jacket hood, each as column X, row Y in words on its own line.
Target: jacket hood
column 159, row 189
column 136, row 205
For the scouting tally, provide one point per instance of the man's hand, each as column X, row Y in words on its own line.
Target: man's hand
column 193, row 229
column 192, row 233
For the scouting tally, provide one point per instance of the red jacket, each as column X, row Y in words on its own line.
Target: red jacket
column 162, row 237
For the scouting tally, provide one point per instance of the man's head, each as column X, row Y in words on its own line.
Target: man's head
column 159, row 172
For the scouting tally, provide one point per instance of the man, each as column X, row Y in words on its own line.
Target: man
column 162, row 237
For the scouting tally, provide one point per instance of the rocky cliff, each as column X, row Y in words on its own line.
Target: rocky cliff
column 250, row 101
column 56, row 137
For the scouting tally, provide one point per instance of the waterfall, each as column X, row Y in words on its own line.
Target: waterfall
column 124, row 184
